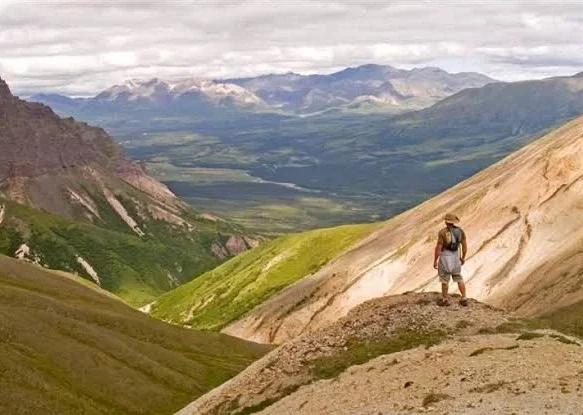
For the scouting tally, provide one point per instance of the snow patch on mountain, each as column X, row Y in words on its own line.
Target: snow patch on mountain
column 156, row 90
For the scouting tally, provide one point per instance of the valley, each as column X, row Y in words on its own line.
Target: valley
column 342, row 167
column 291, row 208
column 510, row 209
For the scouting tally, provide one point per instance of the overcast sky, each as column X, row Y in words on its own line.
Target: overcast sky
column 80, row 47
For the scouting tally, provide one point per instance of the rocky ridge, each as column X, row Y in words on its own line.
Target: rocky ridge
column 407, row 321
column 383, row 87
column 380, row 85
column 484, row 374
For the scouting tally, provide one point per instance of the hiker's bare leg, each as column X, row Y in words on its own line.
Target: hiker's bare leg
column 444, row 291
column 462, row 287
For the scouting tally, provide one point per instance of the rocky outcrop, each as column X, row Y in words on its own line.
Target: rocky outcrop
column 236, row 244
column 500, row 373
column 413, row 318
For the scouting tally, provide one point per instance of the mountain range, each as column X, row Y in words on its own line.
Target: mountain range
column 71, row 200
column 353, row 88
column 523, row 217
column 280, row 174
column 381, row 85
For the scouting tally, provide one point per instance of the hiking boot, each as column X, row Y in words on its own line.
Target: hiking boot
column 443, row 303
column 464, row 302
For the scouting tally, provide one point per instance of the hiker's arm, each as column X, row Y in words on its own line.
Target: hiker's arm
column 437, row 253
column 464, row 250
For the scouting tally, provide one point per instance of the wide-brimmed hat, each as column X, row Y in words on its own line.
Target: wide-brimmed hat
column 451, row 218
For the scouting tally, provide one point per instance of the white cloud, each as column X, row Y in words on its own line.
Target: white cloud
column 83, row 46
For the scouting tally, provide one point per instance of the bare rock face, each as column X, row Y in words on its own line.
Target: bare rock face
column 5, row 93
column 43, row 157
column 236, row 244
column 35, row 141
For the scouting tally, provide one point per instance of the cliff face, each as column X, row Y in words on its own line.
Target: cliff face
column 35, row 141
column 38, row 149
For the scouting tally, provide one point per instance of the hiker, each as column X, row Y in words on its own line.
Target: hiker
column 447, row 259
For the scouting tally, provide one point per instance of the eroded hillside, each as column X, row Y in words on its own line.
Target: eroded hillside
column 524, row 218
column 71, row 200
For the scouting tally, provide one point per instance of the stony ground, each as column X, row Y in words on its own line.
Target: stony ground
column 290, row 366
column 484, row 374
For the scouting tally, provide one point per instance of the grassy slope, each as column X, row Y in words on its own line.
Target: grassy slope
column 65, row 348
column 226, row 293
column 134, row 268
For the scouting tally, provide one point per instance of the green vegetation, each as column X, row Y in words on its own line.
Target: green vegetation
column 137, row 269
column 68, row 349
column 568, row 320
column 531, row 335
column 359, row 351
column 267, row 208
column 564, row 339
column 226, row 293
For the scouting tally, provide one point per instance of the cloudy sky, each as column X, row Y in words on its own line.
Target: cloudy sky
column 80, row 47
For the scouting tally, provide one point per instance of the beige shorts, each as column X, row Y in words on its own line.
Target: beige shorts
column 446, row 277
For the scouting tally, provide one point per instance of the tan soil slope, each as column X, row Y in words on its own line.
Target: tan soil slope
column 379, row 326
column 479, row 375
column 524, row 219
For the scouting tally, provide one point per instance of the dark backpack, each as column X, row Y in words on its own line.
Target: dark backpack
column 456, row 239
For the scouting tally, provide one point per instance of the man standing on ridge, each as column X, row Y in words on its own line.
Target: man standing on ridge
column 447, row 259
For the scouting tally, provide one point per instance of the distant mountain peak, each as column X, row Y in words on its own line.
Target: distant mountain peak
column 429, row 69
column 374, row 66
column 4, row 90
column 384, row 87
